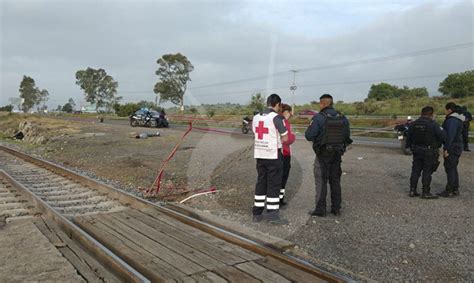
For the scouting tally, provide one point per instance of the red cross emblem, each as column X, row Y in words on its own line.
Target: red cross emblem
column 261, row 130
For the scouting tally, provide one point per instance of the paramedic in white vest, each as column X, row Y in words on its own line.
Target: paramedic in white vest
column 270, row 132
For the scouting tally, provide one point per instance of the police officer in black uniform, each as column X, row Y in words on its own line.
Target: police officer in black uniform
column 329, row 131
column 466, row 126
column 453, row 148
column 424, row 138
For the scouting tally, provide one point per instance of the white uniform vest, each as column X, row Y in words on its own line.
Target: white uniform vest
column 267, row 139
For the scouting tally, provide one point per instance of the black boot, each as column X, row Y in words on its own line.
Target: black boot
column 425, row 194
column 456, row 192
column 447, row 193
column 283, row 203
column 414, row 193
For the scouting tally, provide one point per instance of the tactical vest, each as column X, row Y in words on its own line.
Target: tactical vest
column 422, row 133
column 267, row 139
column 334, row 129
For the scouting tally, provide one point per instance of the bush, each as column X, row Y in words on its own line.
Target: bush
column 7, row 108
column 125, row 110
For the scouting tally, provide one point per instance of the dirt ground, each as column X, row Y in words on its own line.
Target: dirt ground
column 382, row 233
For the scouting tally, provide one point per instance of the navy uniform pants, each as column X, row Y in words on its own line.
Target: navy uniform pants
column 327, row 168
column 267, row 189
column 451, row 165
column 423, row 164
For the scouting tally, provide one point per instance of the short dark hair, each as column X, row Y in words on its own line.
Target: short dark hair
column 450, row 106
column 273, row 100
column 427, row 111
column 285, row 107
column 326, row 95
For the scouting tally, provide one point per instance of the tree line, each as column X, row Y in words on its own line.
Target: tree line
column 174, row 70
column 100, row 88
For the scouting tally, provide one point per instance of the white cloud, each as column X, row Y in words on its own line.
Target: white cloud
column 226, row 41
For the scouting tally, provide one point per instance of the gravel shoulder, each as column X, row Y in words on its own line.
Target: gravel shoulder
column 382, row 233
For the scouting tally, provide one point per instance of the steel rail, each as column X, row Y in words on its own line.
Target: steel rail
column 185, row 216
column 106, row 257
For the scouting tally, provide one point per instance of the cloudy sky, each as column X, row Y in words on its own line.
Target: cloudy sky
column 237, row 47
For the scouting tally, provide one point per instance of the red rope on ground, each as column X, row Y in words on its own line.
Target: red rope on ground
column 163, row 165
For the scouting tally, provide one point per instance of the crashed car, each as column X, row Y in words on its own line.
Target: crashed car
column 147, row 118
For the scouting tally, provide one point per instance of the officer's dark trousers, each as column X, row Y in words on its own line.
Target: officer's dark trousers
column 465, row 136
column 423, row 163
column 327, row 168
column 268, row 185
column 286, row 174
column 451, row 166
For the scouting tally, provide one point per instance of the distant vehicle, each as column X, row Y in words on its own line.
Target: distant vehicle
column 246, row 124
column 402, row 130
column 77, row 112
column 306, row 114
column 152, row 119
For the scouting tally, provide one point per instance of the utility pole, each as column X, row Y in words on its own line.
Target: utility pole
column 293, row 89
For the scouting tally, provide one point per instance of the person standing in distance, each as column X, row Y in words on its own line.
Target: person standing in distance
column 466, row 126
column 285, row 111
column 424, row 138
column 270, row 132
column 330, row 133
column 453, row 148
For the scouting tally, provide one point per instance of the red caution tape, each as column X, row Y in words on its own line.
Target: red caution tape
column 157, row 181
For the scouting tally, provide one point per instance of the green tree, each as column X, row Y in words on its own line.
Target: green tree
column 67, row 108
column 382, row 91
column 173, row 73
column 71, row 102
column 29, row 93
column 458, row 85
column 99, row 88
column 257, row 102
column 7, row 108
column 43, row 96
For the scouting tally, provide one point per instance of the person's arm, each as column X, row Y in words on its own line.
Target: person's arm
column 291, row 135
column 450, row 129
column 278, row 121
column 347, row 131
column 439, row 133
column 313, row 129
column 409, row 137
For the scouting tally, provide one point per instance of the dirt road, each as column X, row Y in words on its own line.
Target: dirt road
column 382, row 234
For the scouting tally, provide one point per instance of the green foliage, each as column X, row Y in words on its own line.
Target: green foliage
column 173, row 73
column 211, row 112
column 257, row 102
column 31, row 94
column 99, row 88
column 7, row 108
column 67, row 108
column 71, row 101
column 193, row 110
column 458, row 85
column 384, row 91
column 125, row 110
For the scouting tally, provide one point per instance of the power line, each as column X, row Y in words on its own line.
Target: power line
column 351, row 63
column 332, row 66
column 330, row 83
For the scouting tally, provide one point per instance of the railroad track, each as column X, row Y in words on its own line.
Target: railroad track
column 125, row 238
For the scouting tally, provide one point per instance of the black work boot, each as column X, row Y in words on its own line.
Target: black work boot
column 447, row 193
column 283, row 203
column 336, row 211
column 425, row 194
column 414, row 193
column 318, row 212
column 456, row 192
column 274, row 218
